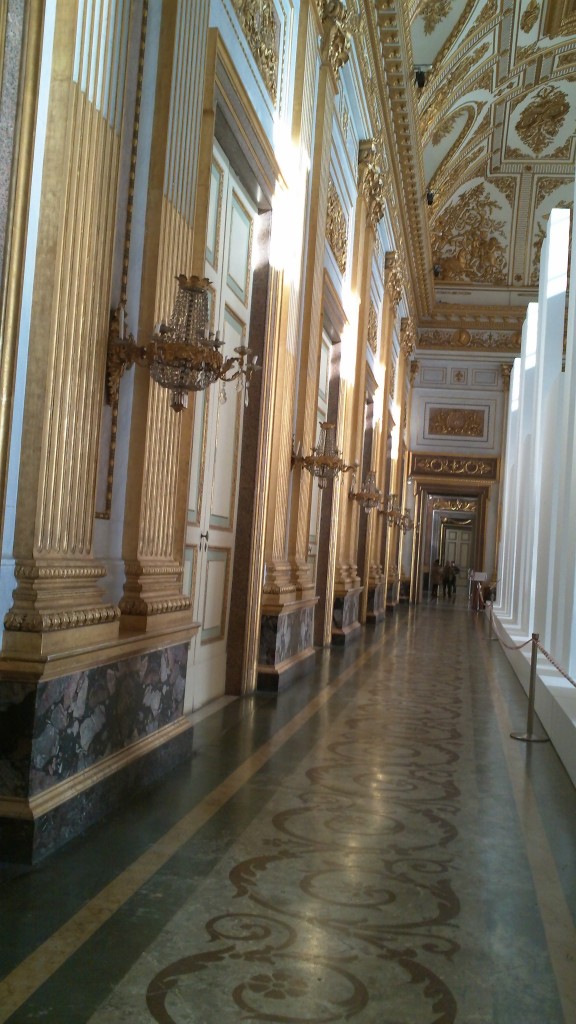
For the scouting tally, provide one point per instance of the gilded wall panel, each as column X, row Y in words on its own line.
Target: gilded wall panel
column 456, row 422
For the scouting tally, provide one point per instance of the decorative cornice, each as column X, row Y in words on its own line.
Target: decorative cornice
column 336, row 37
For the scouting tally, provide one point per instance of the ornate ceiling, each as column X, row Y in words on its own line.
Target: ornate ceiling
column 492, row 135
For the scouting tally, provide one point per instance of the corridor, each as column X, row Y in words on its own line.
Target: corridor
column 370, row 846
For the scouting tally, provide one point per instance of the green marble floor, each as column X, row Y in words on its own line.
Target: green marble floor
column 368, row 846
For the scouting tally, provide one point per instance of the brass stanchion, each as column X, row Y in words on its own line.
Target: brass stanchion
column 528, row 736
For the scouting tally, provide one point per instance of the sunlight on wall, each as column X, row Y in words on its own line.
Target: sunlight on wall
column 380, row 374
column 288, row 205
column 395, row 432
column 351, row 303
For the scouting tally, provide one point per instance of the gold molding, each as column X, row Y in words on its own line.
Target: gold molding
column 461, row 467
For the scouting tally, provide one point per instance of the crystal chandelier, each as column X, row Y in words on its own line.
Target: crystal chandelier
column 183, row 354
column 325, row 461
column 370, row 495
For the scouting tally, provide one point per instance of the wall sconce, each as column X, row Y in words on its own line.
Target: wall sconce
column 183, row 355
column 369, row 496
column 394, row 515
column 325, row 461
column 391, row 510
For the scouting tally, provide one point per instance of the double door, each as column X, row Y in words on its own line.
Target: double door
column 217, row 438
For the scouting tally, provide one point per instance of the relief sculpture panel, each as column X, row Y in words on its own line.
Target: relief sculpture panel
column 456, row 422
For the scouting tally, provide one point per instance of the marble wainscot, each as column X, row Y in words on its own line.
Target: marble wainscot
column 346, row 616
column 73, row 748
column 286, row 649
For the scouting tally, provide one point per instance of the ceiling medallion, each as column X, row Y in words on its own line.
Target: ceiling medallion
column 542, row 119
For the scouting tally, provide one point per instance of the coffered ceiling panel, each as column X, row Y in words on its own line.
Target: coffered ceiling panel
column 493, row 142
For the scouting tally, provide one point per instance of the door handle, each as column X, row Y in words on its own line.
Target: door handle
column 204, row 537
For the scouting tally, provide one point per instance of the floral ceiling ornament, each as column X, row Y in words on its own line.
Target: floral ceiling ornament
column 466, row 244
column 540, row 122
column 530, row 16
column 433, row 12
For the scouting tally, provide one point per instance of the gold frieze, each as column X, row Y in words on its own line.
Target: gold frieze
column 456, row 422
column 485, row 469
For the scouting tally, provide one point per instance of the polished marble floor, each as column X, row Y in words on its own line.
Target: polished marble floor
column 369, row 846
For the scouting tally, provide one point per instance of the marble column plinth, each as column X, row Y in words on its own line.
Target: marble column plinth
column 286, row 646
column 73, row 748
column 345, row 616
column 392, row 595
column 376, row 609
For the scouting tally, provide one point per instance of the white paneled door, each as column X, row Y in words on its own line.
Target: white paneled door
column 217, row 439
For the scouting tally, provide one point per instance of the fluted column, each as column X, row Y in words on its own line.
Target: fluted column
column 370, row 209
column 335, row 43
column 159, row 446
column 280, row 584
column 58, row 605
column 393, row 282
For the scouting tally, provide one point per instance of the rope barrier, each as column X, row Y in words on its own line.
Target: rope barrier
column 555, row 663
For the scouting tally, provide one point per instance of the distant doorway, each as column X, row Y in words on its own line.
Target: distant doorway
column 456, row 545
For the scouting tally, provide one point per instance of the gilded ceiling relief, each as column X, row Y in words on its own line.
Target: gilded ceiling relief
column 456, row 422
column 433, row 12
column 540, row 122
column 530, row 16
column 489, row 11
column 563, row 152
column 445, row 127
column 547, row 185
column 507, row 186
column 445, row 93
column 465, row 243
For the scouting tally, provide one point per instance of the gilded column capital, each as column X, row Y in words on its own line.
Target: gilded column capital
column 393, row 278
column 407, row 335
column 336, row 34
column 371, row 180
column 505, row 371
